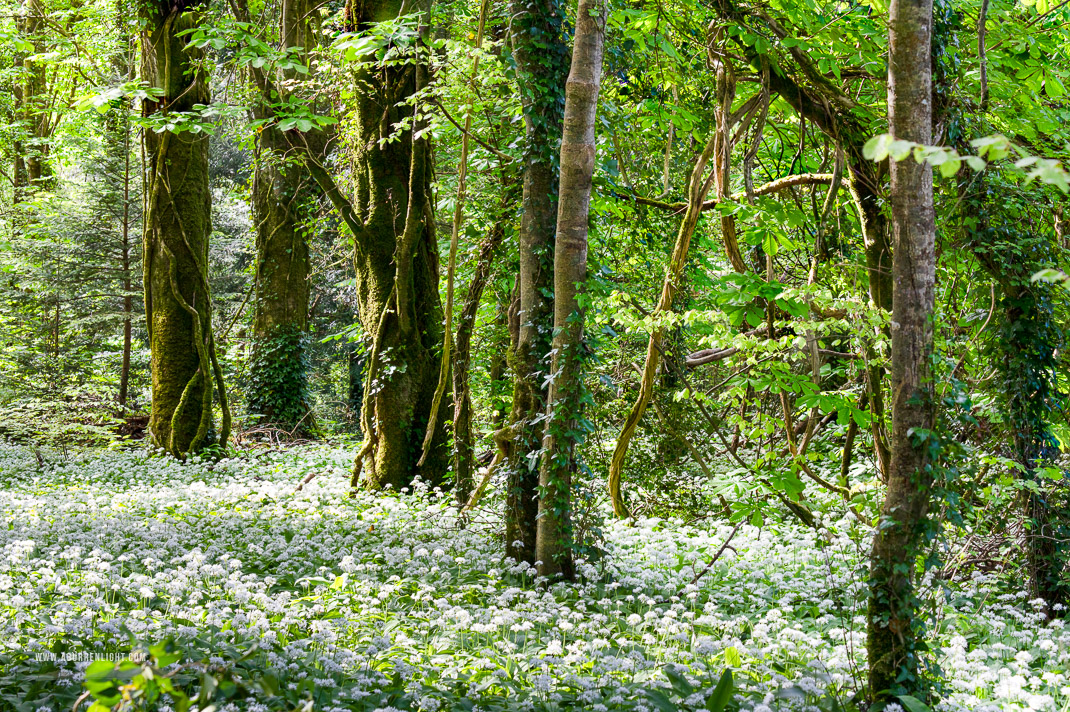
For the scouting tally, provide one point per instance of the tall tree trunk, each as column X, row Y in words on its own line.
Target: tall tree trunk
column 178, row 305
column 396, row 265
column 128, row 281
column 541, row 55
column 125, row 66
column 278, row 373
column 564, row 412
column 278, row 368
column 892, row 622
column 396, row 257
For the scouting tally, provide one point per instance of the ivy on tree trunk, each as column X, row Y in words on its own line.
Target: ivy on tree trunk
column 564, row 428
column 536, row 37
column 278, row 369
column 893, row 627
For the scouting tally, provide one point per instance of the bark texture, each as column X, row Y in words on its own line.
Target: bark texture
column 278, row 379
column 563, row 430
column 278, row 373
column 892, row 622
column 396, row 254
column 185, row 373
column 396, row 265
column 541, row 55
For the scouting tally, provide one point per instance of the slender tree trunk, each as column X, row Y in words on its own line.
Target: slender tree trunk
column 542, row 67
column 564, row 412
column 357, row 359
column 124, row 66
column 892, row 626
column 185, row 372
column 463, row 445
column 128, row 282
column 817, row 99
column 34, row 162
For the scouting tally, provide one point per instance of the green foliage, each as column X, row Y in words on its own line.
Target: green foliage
column 278, row 379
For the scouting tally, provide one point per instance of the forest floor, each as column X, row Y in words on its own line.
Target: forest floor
column 386, row 602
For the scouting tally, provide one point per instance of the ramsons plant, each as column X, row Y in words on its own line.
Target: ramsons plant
column 276, row 600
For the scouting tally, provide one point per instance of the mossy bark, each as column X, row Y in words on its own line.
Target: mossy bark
column 396, row 264
column 278, row 380
column 542, row 67
column 281, row 191
column 185, row 373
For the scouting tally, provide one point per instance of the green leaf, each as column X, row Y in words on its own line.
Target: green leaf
column 661, row 701
column 913, row 704
column 722, row 694
column 732, row 657
column 99, row 670
column 770, row 244
column 876, row 149
column 679, row 682
column 950, row 167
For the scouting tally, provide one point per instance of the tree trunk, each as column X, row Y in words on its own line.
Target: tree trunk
column 396, row 256
column 463, row 445
column 125, row 66
column 36, row 102
column 396, row 266
column 178, row 307
column 128, row 282
column 892, row 626
column 278, row 373
column 278, row 368
column 564, row 431
column 542, row 67
column 356, row 360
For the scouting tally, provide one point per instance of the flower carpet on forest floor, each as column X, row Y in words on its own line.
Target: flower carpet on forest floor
column 385, row 602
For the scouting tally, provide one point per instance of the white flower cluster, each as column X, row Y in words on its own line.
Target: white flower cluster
column 390, row 590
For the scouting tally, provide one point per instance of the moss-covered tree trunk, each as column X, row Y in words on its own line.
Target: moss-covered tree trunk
column 278, row 369
column 396, row 264
column 178, row 305
column 564, row 431
column 278, row 373
column 542, row 61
